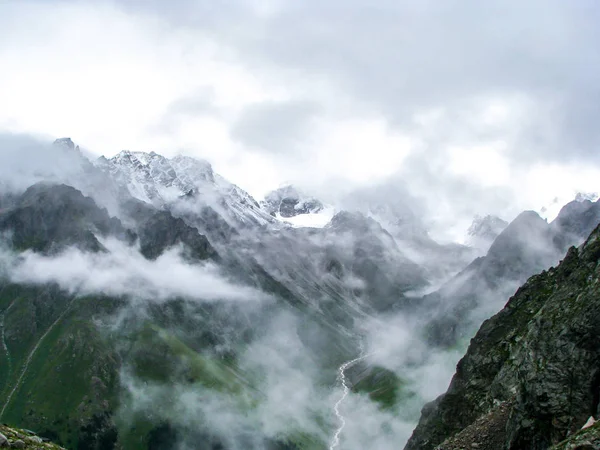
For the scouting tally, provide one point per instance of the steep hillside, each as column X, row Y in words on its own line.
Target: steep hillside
column 525, row 247
column 48, row 218
column 173, row 310
column 531, row 374
column 59, row 376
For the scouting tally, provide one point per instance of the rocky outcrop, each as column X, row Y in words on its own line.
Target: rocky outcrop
column 48, row 218
column 163, row 231
column 540, row 356
column 24, row 439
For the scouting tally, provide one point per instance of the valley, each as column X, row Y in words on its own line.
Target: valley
column 149, row 303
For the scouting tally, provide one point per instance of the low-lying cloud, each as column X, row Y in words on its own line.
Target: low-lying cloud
column 291, row 398
column 123, row 271
column 25, row 160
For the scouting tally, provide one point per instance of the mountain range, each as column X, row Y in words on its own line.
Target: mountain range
column 147, row 302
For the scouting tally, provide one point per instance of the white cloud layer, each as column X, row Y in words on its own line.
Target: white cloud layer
column 123, row 271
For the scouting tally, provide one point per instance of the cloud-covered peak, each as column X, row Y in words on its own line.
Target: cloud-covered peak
column 484, row 230
column 65, row 142
column 288, row 201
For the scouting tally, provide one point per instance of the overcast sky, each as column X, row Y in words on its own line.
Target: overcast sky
column 477, row 106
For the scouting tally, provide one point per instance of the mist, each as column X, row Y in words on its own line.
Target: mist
column 123, row 271
column 207, row 320
column 26, row 159
column 248, row 364
column 292, row 399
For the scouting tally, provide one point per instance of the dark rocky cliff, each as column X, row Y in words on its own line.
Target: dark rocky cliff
column 531, row 375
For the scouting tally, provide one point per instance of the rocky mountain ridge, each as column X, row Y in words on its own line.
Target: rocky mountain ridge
column 528, row 245
column 530, row 376
column 321, row 285
column 161, row 181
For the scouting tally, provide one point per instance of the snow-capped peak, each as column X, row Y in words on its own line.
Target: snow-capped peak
column 162, row 181
column 296, row 208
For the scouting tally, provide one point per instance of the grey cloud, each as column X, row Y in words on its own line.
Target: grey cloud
column 187, row 12
column 199, row 102
column 275, row 127
column 196, row 104
column 400, row 58
column 25, row 160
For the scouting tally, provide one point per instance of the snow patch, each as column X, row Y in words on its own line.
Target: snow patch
column 313, row 220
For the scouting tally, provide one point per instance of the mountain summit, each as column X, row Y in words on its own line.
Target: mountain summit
column 164, row 182
column 288, row 202
column 148, row 303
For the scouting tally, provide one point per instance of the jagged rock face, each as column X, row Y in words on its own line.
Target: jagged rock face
column 288, row 202
column 163, row 182
column 541, row 354
column 66, row 143
column 49, row 218
column 159, row 230
column 155, row 179
column 162, row 231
